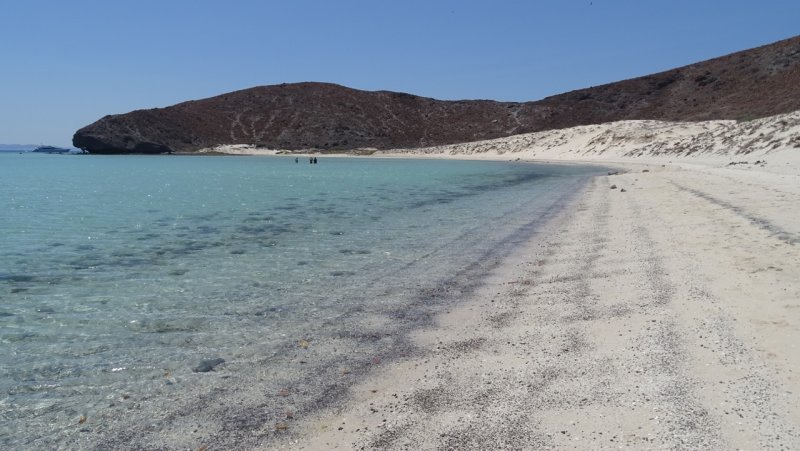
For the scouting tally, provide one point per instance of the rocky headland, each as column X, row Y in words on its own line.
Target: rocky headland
column 745, row 85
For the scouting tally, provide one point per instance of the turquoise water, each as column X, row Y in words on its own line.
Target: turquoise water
column 119, row 275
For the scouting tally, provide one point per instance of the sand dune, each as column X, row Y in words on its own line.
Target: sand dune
column 712, row 141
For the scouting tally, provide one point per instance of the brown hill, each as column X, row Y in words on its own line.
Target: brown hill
column 752, row 83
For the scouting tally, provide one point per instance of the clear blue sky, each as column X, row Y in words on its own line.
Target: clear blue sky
column 65, row 64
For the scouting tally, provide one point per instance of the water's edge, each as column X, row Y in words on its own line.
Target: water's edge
column 326, row 386
column 179, row 303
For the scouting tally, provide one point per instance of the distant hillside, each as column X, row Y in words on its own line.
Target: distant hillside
column 754, row 83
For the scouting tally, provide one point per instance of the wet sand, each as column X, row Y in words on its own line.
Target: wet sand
column 664, row 316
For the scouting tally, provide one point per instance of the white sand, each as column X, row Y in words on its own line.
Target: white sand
column 652, row 141
column 665, row 316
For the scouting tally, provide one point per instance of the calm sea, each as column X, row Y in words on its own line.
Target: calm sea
column 120, row 276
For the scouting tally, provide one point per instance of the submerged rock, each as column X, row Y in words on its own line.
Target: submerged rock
column 208, row 365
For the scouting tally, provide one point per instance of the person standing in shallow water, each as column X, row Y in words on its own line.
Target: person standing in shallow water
column 315, row 160
column 296, row 160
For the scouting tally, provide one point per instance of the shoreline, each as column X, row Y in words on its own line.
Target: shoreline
column 313, row 366
column 663, row 316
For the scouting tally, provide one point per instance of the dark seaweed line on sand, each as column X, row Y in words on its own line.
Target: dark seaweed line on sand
column 762, row 223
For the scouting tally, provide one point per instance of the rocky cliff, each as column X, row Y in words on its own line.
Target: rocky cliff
column 753, row 83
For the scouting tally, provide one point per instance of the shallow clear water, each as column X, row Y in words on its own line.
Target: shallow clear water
column 116, row 270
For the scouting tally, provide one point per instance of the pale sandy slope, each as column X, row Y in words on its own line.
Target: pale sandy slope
column 665, row 316
column 706, row 142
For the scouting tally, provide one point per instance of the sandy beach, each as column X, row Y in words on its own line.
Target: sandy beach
column 461, row 226
column 661, row 311
column 653, row 305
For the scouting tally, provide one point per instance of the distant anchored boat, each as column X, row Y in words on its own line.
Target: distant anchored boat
column 51, row 149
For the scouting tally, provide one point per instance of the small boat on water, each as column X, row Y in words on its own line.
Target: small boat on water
column 51, row 149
